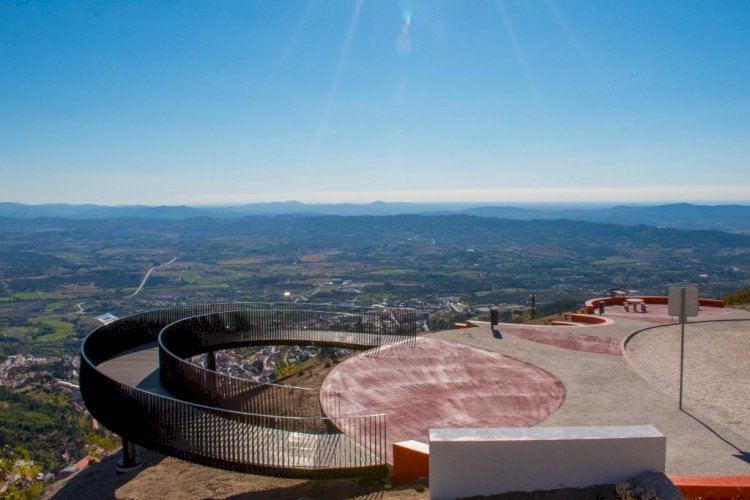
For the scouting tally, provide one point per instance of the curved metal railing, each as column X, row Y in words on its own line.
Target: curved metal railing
column 224, row 421
column 262, row 326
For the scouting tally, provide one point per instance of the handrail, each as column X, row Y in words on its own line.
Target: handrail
column 187, row 336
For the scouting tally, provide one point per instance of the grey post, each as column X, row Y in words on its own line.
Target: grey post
column 683, row 320
column 683, row 302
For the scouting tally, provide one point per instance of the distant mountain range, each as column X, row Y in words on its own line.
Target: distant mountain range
column 67, row 211
column 731, row 218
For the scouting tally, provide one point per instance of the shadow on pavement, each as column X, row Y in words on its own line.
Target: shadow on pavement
column 742, row 455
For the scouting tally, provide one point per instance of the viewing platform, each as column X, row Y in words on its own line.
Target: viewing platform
column 616, row 368
column 136, row 380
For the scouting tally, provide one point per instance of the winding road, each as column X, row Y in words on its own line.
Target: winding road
column 148, row 275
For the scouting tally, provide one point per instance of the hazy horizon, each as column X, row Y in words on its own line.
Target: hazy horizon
column 602, row 203
column 356, row 101
column 548, row 205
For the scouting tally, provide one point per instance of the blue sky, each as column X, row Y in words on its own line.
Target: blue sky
column 327, row 101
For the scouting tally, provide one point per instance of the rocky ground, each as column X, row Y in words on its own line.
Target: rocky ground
column 169, row 478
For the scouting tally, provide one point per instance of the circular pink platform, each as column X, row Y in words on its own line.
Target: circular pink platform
column 438, row 384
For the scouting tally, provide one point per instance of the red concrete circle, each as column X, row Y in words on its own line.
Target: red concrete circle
column 438, row 384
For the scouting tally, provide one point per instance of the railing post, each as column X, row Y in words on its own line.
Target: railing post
column 128, row 462
column 211, row 360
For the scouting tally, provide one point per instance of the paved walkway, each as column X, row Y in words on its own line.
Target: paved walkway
column 137, row 368
column 601, row 386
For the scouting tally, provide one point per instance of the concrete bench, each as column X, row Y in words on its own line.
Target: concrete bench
column 468, row 462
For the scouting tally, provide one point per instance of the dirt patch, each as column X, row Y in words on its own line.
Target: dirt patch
column 599, row 492
column 169, row 478
column 310, row 375
column 172, row 479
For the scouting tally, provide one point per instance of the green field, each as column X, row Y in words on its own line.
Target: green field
column 614, row 260
column 32, row 296
column 203, row 281
column 392, row 272
column 190, row 278
column 19, row 332
column 60, row 329
column 55, row 306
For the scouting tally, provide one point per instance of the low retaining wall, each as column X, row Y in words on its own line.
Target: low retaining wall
column 591, row 320
column 459, row 326
column 593, row 304
column 468, row 462
column 411, row 461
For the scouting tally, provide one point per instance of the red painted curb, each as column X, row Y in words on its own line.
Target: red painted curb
column 713, row 487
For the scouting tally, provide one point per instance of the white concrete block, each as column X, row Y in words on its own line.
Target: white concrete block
column 415, row 445
column 467, row 462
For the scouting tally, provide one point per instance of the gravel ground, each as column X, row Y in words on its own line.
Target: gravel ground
column 168, row 478
column 716, row 370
